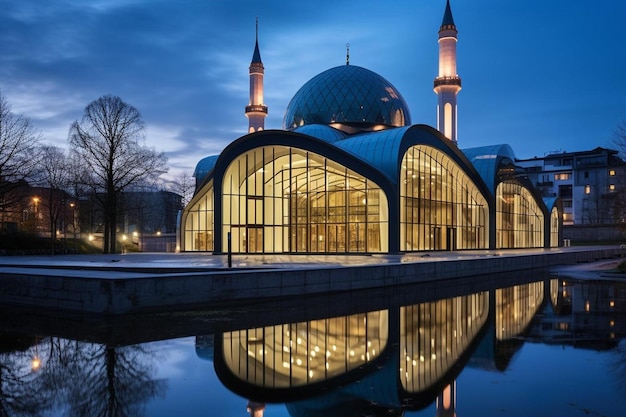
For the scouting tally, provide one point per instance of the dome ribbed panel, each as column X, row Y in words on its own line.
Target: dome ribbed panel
column 347, row 94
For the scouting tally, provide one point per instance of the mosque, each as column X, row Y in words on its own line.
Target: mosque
column 350, row 173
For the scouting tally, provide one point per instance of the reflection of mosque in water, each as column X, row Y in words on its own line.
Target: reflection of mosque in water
column 405, row 357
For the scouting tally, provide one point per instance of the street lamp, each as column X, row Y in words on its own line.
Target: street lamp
column 36, row 203
column 73, row 206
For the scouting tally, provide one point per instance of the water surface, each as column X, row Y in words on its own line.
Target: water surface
column 533, row 345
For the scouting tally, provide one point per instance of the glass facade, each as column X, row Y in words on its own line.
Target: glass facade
column 347, row 94
column 284, row 199
column 434, row 335
column 199, row 222
column 440, row 207
column 519, row 219
column 298, row 354
column 515, row 308
column 554, row 228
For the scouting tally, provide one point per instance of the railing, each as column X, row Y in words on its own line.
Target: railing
column 259, row 108
column 448, row 81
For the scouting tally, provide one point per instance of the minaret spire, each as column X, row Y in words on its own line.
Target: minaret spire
column 448, row 83
column 256, row 111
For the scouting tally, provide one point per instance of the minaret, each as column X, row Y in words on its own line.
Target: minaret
column 256, row 409
column 447, row 83
column 446, row 401
column 256, row 111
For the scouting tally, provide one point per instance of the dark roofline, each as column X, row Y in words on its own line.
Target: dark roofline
column 597, row 150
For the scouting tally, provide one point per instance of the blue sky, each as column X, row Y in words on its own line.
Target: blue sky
column 539, row 75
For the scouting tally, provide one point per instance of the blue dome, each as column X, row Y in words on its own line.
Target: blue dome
column 347, row 94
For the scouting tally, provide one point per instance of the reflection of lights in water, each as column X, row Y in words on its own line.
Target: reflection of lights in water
column 36, row 364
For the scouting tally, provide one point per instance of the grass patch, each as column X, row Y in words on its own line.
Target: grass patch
column 27, row 244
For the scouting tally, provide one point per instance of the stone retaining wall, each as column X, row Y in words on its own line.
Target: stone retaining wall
column 43, row 289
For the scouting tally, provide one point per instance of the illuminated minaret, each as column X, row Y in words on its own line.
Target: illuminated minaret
column 447, row 83
column 446, row 401
column 256, row 409
column 256, row 111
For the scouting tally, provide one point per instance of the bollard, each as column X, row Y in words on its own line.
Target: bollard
column 230, row 252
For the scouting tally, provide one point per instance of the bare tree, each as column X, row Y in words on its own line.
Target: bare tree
column 53, row 175
column 109, row 142
column 18, row 155
column 183, row 185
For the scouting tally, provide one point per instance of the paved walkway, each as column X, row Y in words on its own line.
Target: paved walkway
column 100, row 265
column 139, row 282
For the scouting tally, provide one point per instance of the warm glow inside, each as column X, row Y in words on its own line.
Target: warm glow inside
column 447, row 120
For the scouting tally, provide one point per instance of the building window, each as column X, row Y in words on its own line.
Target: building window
column 586, row 174
column 611, row 187
column 284, row 199
column 554, row 228
column 519, row 220
column 612, row 172
column 587, row 189
column 562, row 176
column 565, row 191
column 440, row 207
column 199, row 222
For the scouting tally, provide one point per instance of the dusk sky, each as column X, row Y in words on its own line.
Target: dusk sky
column 539, row 75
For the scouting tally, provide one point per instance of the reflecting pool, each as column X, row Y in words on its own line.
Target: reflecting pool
column 537, row 345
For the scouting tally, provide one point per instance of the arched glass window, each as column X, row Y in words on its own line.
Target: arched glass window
column 554, row 228
column 440, row 206
column 284, row 199
column 299, row 354
column 519, row 220
column 434, row 335
column 198, row 222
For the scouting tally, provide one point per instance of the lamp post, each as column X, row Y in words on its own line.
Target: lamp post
column 73, row 206
column 36, row 203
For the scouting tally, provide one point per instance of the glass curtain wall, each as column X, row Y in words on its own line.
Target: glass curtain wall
column 440, row 207
column 298, row 354
column 554, row 228
column 519, row 220
column 434, row 335
column 515, row 308
column 284, row 199
column 199, row 223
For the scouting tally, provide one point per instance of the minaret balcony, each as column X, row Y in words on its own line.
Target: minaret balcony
column 256, row 108
column 455, row 80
